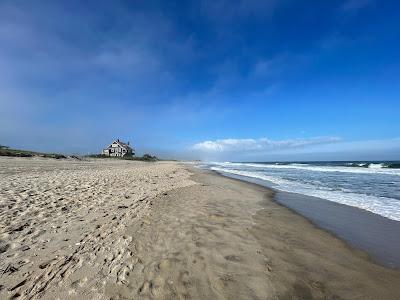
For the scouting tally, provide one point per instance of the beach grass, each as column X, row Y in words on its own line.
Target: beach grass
column 7, row 151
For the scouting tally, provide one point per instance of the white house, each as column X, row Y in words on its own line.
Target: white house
column 118, row 148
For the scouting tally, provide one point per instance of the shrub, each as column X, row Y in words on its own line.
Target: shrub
column 149, row 157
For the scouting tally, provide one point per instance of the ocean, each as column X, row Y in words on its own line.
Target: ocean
column 371, row 186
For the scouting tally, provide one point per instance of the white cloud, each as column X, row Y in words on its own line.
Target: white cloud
column 259, row 145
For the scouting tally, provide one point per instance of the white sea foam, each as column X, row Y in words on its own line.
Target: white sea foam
column 384, row 206
column 375, row 166
column 372, row 169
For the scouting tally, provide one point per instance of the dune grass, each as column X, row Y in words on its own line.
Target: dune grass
column 7, row 151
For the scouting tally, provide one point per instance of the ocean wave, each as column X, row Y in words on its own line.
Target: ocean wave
column 371, row 168
column 384, row 206
column 376, row 165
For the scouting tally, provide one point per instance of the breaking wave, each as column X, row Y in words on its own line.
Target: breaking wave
column 374, row 187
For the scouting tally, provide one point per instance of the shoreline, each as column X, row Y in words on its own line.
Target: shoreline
column 104, row 229
column 310, row 262
column 360, row 229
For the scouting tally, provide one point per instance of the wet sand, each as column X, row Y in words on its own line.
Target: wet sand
column 181, row 233
column 377, row 235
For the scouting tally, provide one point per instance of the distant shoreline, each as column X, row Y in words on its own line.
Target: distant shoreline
column 11, row 152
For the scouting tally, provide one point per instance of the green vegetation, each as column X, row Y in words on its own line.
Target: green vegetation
column 97, row 156
column 7, row 151
column 145, row 157
column 149, row 157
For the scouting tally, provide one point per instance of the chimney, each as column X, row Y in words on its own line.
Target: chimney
column 128, row 143
column 117, row 140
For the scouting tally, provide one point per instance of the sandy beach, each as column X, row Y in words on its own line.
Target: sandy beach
column 113, row 229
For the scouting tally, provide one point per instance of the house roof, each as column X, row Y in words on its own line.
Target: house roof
column 122, row 144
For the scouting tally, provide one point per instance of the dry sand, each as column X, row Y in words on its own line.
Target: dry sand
column 108, row 229
column 63, row 223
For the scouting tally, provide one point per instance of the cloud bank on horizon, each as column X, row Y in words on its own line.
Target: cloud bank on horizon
column 311, row 149
column 170, row 75
column 261, row 144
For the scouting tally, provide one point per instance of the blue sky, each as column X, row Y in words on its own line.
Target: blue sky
column 226, row 80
